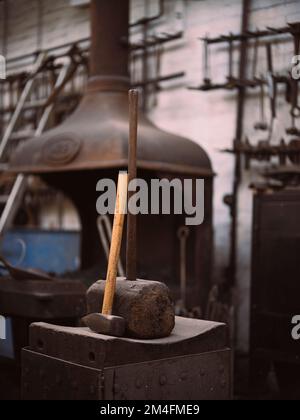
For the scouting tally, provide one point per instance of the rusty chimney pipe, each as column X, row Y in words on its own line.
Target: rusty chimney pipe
column 109, row 20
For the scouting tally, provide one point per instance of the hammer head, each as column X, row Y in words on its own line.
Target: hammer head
column 105, row 324
column 146, row 306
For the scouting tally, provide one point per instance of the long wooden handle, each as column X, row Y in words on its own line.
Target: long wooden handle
column 115, row 246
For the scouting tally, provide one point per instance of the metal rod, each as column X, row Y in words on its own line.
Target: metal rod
column 230, row 62
column 146, row 20
column 131, row 249
column 48, row 50
column 247, row 35
column 206, row 63
column 153, row 41
column 238, row 142
column 160, row 79
column 255, row 58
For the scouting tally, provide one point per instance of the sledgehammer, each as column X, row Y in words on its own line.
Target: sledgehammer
column 145, row 305
column 106, row 323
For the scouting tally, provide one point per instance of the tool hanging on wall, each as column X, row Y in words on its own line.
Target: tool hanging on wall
column 264, row 152
column 293, row 90
column 149, row 46
column 183, row 234
column 272, row 89
column 295, row 111
column 206, row 64
column 230, row 77
column 255, row 58
column 262, row 124
column 230, row 39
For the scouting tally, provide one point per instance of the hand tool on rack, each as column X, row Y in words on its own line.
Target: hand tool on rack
column 293, row 130
column 230, row 77
column 262, row 124
column 145, row 305
column 104, row 322
column 255, row 58
column 206, row 64
column 183, row 234
column 294, row 91
column 272, row 89
column 295, row 111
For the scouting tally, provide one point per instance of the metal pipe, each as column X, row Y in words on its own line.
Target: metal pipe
column 238, row 141
column 108, row 56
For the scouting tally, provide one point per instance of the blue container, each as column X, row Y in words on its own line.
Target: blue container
column 55, row 252
column 51, row 251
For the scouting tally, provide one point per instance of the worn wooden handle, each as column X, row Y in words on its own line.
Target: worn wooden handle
column 115, row 246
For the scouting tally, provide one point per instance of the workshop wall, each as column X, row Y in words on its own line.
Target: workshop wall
column 207, row 118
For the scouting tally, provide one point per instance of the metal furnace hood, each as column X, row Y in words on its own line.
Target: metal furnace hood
column 95, row 136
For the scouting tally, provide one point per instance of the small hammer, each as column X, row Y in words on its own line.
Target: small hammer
column 106, row 323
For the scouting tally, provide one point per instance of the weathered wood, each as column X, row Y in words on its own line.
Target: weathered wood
column 146, row 306
column 115, row 247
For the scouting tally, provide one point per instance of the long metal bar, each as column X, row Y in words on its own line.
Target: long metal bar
column 155, row 40
column 48, row 50
column 146, row 20
column 160, row 79
column 132, row 174
column 247, row 35
column 20, row 185
column 238, row 141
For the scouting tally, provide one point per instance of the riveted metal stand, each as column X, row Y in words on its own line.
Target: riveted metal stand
column 67, row 363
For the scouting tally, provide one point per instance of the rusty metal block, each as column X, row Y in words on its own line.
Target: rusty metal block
column 198, row 377
column 193, row 363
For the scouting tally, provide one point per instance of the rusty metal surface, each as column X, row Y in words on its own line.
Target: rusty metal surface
column 48, row 378
column 199, row 377
column 81, row 346
column 95, row 135
column 42, row 299
column 74, row 363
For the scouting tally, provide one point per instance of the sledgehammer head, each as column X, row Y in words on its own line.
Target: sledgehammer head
column 146, row 306
column 105, row 324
